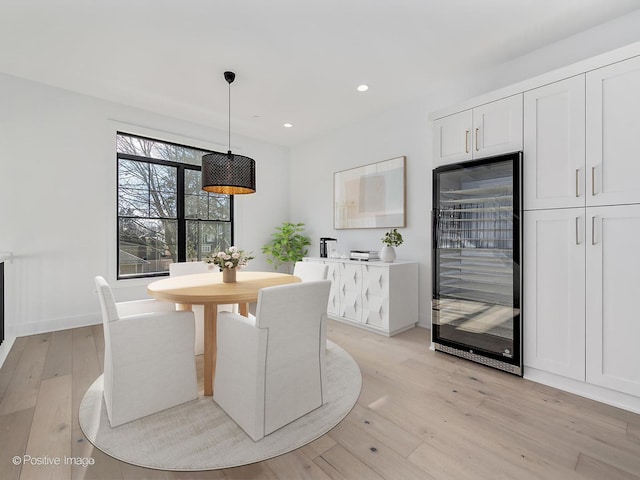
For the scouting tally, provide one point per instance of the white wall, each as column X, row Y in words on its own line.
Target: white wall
column 57, row 181
column 406, row 131
column 57, row 199
column 402, row 131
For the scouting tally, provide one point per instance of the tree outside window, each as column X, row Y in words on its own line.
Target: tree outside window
column 163, row 214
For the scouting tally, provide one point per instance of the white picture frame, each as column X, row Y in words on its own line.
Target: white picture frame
column 371, row 196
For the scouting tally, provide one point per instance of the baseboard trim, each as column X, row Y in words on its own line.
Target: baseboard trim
column 56, row 324
column 587, row 390
column 370, row 328
column 5, row 348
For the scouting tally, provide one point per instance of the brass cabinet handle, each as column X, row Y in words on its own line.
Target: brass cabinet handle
column 593, row 230
column 466, row 141
column 593, row 181
column 477, row 146
column 577, row 182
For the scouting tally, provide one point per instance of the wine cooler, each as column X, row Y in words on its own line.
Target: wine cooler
column 476, row 261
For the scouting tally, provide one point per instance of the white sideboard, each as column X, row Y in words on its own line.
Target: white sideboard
column 377, row 296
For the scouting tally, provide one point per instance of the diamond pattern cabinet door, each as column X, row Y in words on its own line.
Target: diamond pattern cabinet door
column 333, row 274
column 351, row 291
column 375, row 296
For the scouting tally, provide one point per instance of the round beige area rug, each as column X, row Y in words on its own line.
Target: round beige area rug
column 199, row 435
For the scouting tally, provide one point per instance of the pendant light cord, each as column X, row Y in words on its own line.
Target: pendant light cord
column 229, row 77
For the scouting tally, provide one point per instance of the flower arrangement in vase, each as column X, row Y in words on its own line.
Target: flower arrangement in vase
column 228, row 261
column 391, row 239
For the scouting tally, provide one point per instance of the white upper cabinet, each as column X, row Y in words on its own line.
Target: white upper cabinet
column 565, row 168
column 554, row 145
column 613, row 132
column 497, row 127
column 486, row 130
column 453, row 138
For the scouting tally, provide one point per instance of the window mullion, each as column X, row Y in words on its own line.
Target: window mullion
column 182, row 222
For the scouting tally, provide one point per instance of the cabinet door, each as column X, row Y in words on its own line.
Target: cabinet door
column 351, row 291
column 452, row 138
column 554, row 291
column 613, row 129
column 333, row 274
column 497, row 127
column 375, row 296
column 554, row 145
column 613, row 279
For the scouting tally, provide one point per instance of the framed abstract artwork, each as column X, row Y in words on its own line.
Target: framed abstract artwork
column 371, row 196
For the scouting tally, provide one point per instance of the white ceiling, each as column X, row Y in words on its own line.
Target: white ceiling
column 296, row 61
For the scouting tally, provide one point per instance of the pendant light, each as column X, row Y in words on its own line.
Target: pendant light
column 228, row 173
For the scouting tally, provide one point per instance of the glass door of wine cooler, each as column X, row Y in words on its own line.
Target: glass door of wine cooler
column 476, row 241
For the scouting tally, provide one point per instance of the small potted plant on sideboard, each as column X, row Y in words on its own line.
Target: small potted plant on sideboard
column 391, row 239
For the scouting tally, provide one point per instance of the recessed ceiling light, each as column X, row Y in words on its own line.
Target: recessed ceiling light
column 363, row 88
column 287, row 125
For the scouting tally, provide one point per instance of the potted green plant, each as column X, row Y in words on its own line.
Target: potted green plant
column 391, row 239
column 288, row 245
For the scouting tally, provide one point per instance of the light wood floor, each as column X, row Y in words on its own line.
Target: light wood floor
column 421, row 415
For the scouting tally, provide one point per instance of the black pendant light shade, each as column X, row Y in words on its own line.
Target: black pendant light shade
column 228, row 173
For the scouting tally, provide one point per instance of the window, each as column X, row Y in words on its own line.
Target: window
column 163, row 214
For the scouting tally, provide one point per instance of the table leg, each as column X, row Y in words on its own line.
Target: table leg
column 210, row 346
column 244, row 309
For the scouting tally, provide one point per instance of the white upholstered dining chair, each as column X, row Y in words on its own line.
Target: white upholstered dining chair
column 189, row 268
column 305, row 271
column 148, row 356
column 310, row 271
column 271, row 368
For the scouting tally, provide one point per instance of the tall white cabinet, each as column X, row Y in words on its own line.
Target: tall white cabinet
column 582, row 202
column 380, row 297
column 554, row 291
column 613, row 286
column 580, row 137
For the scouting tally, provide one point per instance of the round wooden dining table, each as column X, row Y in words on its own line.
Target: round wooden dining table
column 209, row 290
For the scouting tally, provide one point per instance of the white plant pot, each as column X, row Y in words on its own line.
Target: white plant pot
column 387, row 254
